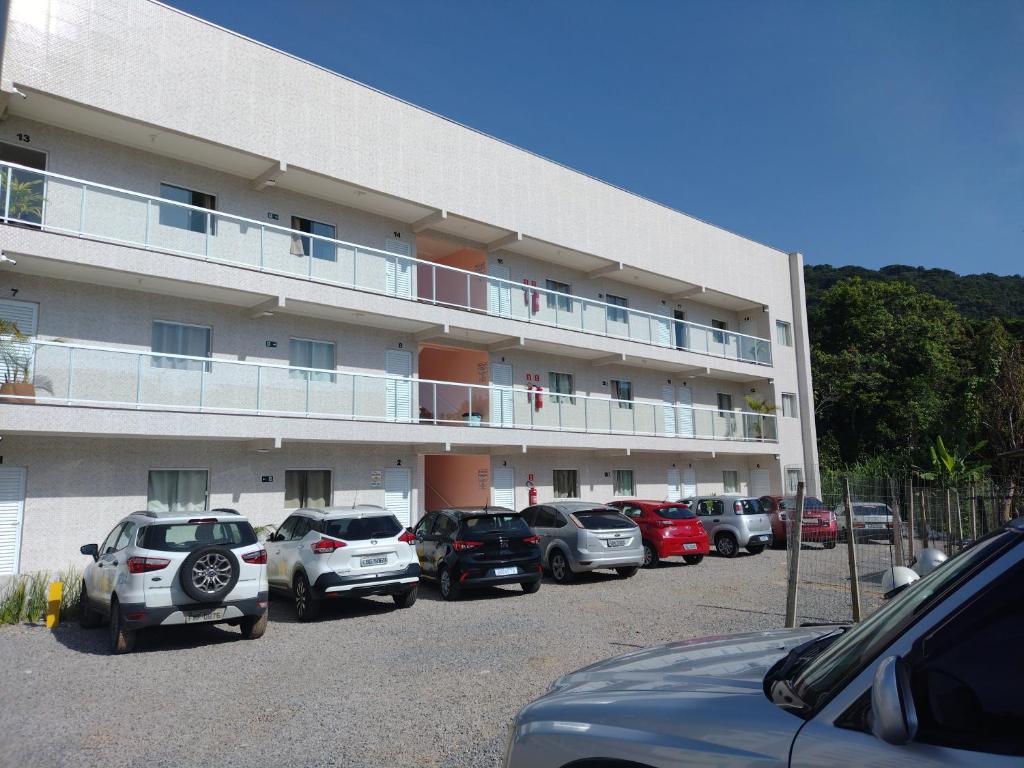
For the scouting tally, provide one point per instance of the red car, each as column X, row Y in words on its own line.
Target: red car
column 819, row 521
column 668, row 529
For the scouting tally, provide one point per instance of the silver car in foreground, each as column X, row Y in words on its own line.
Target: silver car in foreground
column 579, row 536
column 733, row 522
column 932, row 679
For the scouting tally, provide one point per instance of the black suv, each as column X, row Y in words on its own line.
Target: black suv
column 477, row 547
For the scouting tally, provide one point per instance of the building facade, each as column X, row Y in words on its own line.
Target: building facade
column 241, row 280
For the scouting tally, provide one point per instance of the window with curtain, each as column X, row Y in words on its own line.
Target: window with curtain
column 623, row 484
column 622, row 391
column 730, row 481
column 181, row 339
column 177, row 490
column 717, row 334
column 306, row 353
column 307, row 488
column 565, row 483
column 788, row 404
column 793, row 477
column 303, row 245
column 617, row 315
column 561, row 384
column 563, row 301
column 783, row 333
column 186, row 218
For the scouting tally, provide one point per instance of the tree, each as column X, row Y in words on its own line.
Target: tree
column 1002, row 416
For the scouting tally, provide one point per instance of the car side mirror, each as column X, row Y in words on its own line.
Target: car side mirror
column 91, row 550
column 893, row 715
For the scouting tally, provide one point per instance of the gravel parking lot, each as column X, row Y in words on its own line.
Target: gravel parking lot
column 366, row 685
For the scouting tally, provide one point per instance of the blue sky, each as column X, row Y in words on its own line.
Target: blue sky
column 860, row 132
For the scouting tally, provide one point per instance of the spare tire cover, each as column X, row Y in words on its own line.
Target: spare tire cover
column 208, row 574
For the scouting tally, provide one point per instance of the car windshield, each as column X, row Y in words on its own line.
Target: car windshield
column 846, row 657
column 363, row 528
column 675, row 513
column 602, row 519
column 866, row 510
column 512, row 524
column 810, row 503
column 184, row 537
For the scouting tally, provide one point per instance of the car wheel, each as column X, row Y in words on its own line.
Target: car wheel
column 830, row 545
column 725, row 544
column 88, row 617
column 406, row 599
column 307, row 607
column 529, row 587
column 757, row 549
column 253, row 627
column 121, row 640
column 560, row 570
column 628, row 571
column 448, row 586
column 693, row 559
column 650, row 555
column 208, row 574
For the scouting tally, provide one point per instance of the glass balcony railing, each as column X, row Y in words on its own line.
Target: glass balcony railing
column 76, row 374
column 72, row 206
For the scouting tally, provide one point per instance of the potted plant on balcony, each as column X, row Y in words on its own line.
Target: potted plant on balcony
column 24, row 203
column 16, row 360
column 761, row 408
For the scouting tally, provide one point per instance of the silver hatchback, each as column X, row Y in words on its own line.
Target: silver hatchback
column 734, row 522
column 579, row 536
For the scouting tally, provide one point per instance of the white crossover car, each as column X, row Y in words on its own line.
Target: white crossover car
column 320, row 554
column 161, row 568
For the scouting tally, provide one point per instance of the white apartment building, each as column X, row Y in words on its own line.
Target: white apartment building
column 245, row 281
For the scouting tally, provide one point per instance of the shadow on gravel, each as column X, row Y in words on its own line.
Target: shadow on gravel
column 283, row 612
column 151, row 640
column 429, row 592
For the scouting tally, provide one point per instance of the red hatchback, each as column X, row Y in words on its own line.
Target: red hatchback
column 668, row 529
column 819, row 521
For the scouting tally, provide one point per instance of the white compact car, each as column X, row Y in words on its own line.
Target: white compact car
column 161, row 568
column 319, row 554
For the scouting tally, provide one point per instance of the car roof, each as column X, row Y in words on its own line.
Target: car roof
column 481, row 510
column 576, row 505
column 357, row 510
column 167, row 516
column 648, row 502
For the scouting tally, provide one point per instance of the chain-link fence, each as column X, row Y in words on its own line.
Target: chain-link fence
column 845, row 559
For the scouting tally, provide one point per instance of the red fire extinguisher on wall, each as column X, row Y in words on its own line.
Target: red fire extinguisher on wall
column 531, row 494
column 536, row 298
column 538, row 398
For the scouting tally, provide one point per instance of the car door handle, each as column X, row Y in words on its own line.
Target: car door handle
column 716, row 520
column 113, row 562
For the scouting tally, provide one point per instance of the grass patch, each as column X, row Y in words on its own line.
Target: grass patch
column 23, row 598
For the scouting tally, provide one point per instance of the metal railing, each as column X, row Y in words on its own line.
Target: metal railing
column 79, row 374
column 71, row 206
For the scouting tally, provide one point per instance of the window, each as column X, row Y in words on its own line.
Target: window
column 631, row 510
column 444, row 527
column 422, row 528
column 565, row 483
column 124, row 537
column 622, row 483
column 363, row 528
column 181, row 339
column 617, row 315
column 709, row 507
column 108, row 543
column 564, row 302
column 302, row 526
column 789, row 404
column 730, row 481
column 29, row 213
column 549, row 518
column 602, row 518
column 794, row 475
column 285, row 531
column 184, row 218
column 185, row 537
column 783, row 333
column 305, row 353
column 717, row 335
column 177, row 490
column 307, row 488
column 561, row 384
column 622, row 391
column 303, row 245
column 724, row 403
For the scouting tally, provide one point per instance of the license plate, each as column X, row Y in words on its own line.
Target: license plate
column 763, row 538
column 689, row 546
column 616, row 542
column 812, row 521
column 876, row 525
column 368, row 562
column 506, row 571
column 194, row 617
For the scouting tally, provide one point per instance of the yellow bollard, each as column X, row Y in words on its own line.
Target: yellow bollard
column 53, row 601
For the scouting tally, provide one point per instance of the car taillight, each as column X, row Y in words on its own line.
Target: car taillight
column 259, row 557
column 408, row 537
column 461, row 546
column 531, row 540
column 664, row 522
column 737, row 508
column 326, row 546
column 146, row 564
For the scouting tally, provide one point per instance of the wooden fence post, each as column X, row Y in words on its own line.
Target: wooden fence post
column 851, row 551
column 910, row 520
column 794, row 540
column 897, row 523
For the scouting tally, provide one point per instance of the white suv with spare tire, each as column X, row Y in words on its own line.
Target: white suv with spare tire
column 163, row 568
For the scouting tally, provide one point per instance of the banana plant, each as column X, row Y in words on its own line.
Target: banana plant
column 954, row 468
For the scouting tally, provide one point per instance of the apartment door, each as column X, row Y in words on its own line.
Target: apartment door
column 673, row 485
column 399, row 270
column 398, row 405
column 685, row 411
column 501, row 395
column 668, row 397
column 499, row 295
column 398, row 494
column 680, row 328
column 662, row 331
column 689, row 483
column 503, row 487
column 760, row 483
column 12, row 514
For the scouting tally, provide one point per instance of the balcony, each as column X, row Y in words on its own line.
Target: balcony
column 85, row 209
column 106, row 377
